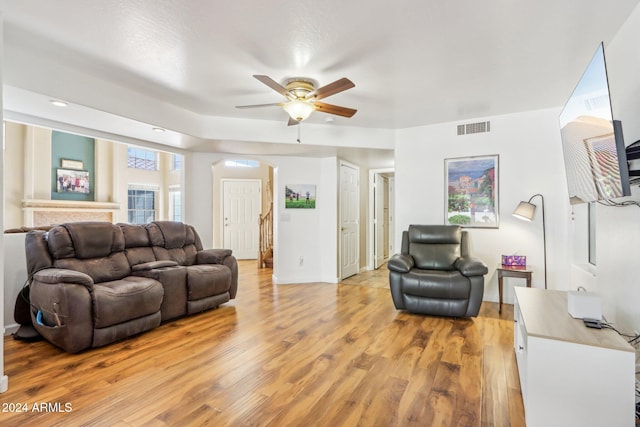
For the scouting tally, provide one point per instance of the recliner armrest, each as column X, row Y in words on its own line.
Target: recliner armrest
column 471, row 267
column 212, row 256
column 401, row 263
column 53, row 276
column 152, row 265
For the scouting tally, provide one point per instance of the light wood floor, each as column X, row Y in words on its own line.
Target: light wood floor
column 292, row 355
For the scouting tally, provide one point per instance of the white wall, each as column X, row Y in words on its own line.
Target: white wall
column 530, row 162
column 14, row 174
column 310, row 234
column 15, row 276
column 618, row 229
column 307, row 234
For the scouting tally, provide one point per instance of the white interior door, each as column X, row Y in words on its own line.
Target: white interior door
column 349, row 220
column 392, row 215
column 241, row 206
column 379, row 183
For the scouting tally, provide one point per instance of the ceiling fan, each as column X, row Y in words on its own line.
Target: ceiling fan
column 303, row 98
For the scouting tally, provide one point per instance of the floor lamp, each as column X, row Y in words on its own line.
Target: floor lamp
column 526, row 211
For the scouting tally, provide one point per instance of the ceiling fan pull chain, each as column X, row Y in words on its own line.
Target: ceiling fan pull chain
column 299, row 126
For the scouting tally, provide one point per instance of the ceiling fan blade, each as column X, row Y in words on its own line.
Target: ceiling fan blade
column 292, row 122
column 334, row 109
column 332, row 88
column 276, row 104
column 272, row 84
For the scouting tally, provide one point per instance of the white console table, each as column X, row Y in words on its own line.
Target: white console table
column 570, row 375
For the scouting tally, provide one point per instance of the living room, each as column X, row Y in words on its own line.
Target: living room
column 526, row 139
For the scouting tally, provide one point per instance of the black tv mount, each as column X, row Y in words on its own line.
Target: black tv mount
column 633, row 153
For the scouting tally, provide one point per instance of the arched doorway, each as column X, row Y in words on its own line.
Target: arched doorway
column 243, row 208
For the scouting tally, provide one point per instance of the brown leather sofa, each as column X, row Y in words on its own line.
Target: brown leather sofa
column 435, row 274
column 93, row 283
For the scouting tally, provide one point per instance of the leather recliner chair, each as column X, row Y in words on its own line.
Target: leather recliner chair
column 435, row 274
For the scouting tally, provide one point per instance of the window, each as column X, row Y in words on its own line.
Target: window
column 140, row 158
column 175, row 204
column 141, row 205
column 177, row 162
column 241, row 163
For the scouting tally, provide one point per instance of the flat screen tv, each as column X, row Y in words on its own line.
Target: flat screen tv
column 592, row 142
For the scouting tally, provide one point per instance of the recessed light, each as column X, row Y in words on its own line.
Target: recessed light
column 158, row 129
column 58, row 103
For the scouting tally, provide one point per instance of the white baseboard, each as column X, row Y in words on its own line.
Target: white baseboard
column 4, row 383
column 10, row 329
column 299, row 280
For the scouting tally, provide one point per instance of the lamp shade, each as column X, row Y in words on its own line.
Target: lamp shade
column 299, row 110
column 525, row 211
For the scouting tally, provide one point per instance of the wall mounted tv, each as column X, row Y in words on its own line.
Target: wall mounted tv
column 592, row 143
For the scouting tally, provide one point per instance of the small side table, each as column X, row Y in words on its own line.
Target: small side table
column 507, row 271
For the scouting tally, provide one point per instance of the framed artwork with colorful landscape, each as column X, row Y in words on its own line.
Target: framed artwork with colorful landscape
column 471, row 191
column 300, row 196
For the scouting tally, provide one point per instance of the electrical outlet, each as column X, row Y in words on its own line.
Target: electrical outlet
column 301, row 261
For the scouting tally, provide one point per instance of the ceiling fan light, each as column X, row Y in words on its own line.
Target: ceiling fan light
column 299, row 110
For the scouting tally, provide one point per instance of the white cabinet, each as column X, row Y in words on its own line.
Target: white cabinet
column 570, row 375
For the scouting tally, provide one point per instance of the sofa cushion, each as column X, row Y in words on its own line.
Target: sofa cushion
column 435, row 247
column 137, row 244
column 173, row 241
column 37, row 251
column 135, row 236
column 183, row 256
column 436, row 284
column 122, row 300
column 104, row 269
column 140, row 255
column 95, row 239
column 207, row 280
column 170, row 234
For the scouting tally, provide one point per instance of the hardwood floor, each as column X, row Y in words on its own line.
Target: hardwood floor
column 293, row 355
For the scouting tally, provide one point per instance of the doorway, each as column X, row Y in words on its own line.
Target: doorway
column 241, row 209
column 349, row 207
column 381, row 216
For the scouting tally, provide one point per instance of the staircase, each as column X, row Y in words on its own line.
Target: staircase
column 265, row 249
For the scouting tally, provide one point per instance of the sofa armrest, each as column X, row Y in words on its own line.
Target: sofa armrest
column 65, row 310
column 146, row 266
column 471, row 266
column 222, row 257
column 401, row 263
column 53, row 276
column 212, row 256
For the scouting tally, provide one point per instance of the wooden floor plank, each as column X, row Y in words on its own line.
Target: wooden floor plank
column 314, row 354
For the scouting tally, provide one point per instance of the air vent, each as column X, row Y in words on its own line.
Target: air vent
column 479, row 127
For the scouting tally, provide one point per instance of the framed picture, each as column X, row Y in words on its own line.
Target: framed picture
column 71, row 164
column 73, row 181
column 471, row 191
column 300, row 196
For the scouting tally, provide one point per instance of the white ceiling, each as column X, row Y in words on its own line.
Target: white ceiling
column 185, row 65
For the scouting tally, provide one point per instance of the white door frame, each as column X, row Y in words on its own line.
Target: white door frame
column 340, row 248
column 222, row 194
column 371, row 262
